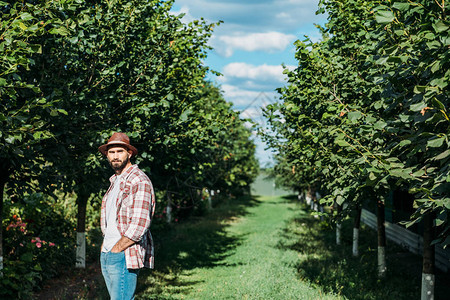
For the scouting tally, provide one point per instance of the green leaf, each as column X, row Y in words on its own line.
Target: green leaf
column 342, row 143
column 38, row 267
column 401, row 6
column 443, row 155
column 430, row 36
column 37, row 135
column 74, row 40
column 435, row 143
column 435, row 66
column 185, row 115
column 418, row 106
column 340, row 200
column 380, row 125
column 418, row 173
column 59, row 30
column 434, row 45
column 326, row 116
column 165, row 103
column 62, row 111
column 22, row 26
column 419, row 89
column 354, row 115
column 440, row 26
column 26, row 16
column 400, row 173
column 404, row 143
column 384, row 16
column 438, row 104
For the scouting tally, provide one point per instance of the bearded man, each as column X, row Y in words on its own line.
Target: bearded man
column 127, row 210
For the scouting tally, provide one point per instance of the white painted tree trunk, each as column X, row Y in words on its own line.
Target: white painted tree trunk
column 308, row 200
column 316, row 206
column 169, row 213
column 1, row 266
column 210, row 195
column 382, row 262
column 338, row 233
column 427, row 287
column 355, row 242
column 209, row 202
column 169, row 208
column 81, row 250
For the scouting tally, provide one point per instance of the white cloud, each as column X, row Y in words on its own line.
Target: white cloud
column 265, row 73
column 267, row 42
column 239, row 97
column 186, row 11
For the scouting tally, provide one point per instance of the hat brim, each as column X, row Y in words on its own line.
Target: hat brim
column 104, row 148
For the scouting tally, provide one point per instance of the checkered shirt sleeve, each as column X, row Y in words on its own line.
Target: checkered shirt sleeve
column 135, row 220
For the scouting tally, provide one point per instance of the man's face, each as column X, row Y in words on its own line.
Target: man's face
column 118, row 157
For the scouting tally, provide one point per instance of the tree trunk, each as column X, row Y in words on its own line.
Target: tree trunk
column 381, row 240
column 309, row 198
column 210, row 194
column 169, row 208
column 320, row 206
column 82, row 199
column 339, row 227
column 356, row 226
column 301, row 196
column 2, row 188
column 428, row 277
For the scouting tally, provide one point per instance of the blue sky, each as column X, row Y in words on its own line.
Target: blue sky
column 250, row 46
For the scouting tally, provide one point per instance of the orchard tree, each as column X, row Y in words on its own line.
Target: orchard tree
column 129, row 68
column 366, row 111
column 23, row 103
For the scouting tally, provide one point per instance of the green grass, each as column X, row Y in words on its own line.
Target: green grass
column 265, row 186
column 273, row 248
column 334, row 269
column 232, row 253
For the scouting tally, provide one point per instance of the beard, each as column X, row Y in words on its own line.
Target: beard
column 118, row 165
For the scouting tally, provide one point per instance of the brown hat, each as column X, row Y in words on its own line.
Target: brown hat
column 120, row 139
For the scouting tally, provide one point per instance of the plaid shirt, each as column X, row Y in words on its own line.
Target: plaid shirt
column 135, row 209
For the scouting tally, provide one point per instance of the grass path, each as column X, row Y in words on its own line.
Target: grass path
column 233, row 253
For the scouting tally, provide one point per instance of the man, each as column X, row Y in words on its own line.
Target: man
column 126, row 213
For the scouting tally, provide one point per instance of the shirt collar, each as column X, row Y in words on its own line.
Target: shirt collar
column 123, row 175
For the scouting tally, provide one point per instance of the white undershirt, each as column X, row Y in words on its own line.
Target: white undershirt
column 112, row 234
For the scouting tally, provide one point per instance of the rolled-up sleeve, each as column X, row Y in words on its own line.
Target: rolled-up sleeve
column 140, row 211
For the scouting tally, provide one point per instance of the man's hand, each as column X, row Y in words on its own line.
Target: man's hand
column 122, row 244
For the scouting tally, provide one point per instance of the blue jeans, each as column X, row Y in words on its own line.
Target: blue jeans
column 120, row 281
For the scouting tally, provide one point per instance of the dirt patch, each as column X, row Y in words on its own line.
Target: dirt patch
column 73, row 284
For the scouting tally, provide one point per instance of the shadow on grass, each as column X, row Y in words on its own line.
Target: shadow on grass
column 335, row 270
column 196, row 243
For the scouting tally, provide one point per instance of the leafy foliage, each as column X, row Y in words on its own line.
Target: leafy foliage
column 74, row 72
column 366, row 111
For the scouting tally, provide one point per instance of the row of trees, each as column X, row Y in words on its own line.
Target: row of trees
column 366, row 112
column 73, row 72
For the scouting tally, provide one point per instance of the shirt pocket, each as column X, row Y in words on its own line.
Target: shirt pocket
column 127, row 196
